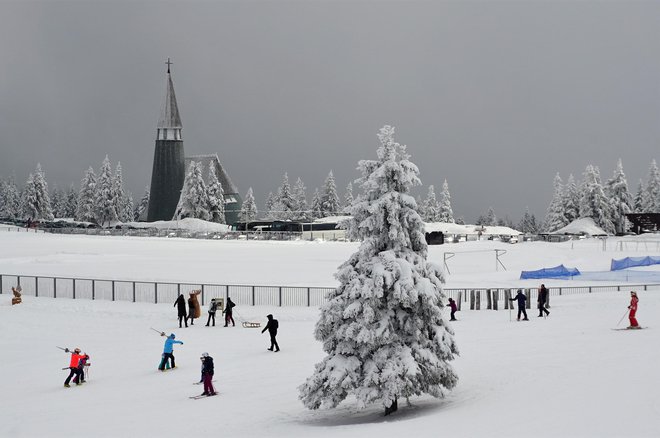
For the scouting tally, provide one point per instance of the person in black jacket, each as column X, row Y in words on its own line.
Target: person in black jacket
column 543, row 298
column 521, row 298
column 180, row 304
column 272, row 326
column 228, row 312
column 207, row 374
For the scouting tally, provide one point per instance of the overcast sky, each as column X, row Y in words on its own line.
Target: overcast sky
column 494, row 96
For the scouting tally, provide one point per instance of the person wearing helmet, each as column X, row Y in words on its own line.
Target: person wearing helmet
column 168, row 351
column 74, row 367
column 207, row 374
column 633, row 310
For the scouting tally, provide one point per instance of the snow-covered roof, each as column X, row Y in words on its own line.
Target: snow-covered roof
column 451, row 228
column 585, row 225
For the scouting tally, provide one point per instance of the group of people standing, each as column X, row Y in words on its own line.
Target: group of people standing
column 193, row 310
column 541, row 302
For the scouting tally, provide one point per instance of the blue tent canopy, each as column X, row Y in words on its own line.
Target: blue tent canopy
column 555, row 272
column 630, row 262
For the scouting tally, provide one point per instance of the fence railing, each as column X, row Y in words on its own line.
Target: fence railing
column 253, row 295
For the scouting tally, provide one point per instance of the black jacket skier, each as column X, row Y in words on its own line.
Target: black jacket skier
column 272, row 327
column 521, row 298
column 180, row 304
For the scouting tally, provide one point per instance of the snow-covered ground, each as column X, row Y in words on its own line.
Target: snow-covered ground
column 569, row 375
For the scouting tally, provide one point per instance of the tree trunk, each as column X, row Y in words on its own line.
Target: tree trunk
column 392, row 408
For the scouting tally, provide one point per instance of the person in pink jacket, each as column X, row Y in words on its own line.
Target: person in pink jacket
column 633, row 310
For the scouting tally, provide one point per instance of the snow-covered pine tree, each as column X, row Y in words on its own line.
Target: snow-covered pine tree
column 3, row 189
column 36, row 200
column 124, row 214
column 29, row 199
column 490, row 219
column 106, row 207
column 525, row 225
column 555, row 217
column 620, row 199
column 594, row 203
column 301, row 208
column 460, row 220
column 249, row 207
column 194, row 200
column 640, row 196
column 571, row 199
column 652, row 198
column 284, row 203
column 431, row 208
column 11, row 207
column 216, row 196
column 143, row 205
column 86, row 205
column 71, row 204
column 127, row 208
column 382, row 328
column 446, row 212
column 316, row 208
column 348, row 198
column 270, row 206
column 421, row 210
column 58, row 202
column 330, row 205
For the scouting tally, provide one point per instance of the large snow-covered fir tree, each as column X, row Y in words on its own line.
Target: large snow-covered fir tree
column 270, row 205
column 284, row 207
column 594, row 203
column 571, row 199
column 301, row 209
column 71, row 204
column 105, row 196
column 382, row 328
column 11, row 202
column 86, row 205
column 555, row 217
column 36, row 200
column 316, row 208
column 490, row 219
column 216, row 196
column 446, row 212
column 431, row 210
column 639, row 199
column 528, row 223
column 249, row 207
column 194, row 200
column 652, row 198
column 348, row 198
column 142, row 207
column 620, row 199
column 330, row 205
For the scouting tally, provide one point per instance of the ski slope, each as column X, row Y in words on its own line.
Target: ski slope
column 569, row 375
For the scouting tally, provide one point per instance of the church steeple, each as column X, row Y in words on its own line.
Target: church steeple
column 169, row 124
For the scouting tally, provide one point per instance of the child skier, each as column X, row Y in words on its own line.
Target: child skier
column 207, row 374
column 454, row 308
column 633, row 310
column 168, row 351
column 74, row 366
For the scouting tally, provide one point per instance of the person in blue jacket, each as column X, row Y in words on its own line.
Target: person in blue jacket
column 521, row 298
column 168, row 351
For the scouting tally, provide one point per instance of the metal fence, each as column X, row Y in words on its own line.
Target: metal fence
column 252, row 295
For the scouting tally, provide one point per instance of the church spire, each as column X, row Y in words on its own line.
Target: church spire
column 169, row 124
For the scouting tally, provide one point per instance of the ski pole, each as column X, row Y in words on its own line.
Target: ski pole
column 624, row 315
column 158, row 331
column 63, row 349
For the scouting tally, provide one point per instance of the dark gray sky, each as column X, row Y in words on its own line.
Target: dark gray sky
column 494, row 96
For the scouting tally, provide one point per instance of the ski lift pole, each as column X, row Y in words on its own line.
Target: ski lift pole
column 447, row 256
column 497, row 258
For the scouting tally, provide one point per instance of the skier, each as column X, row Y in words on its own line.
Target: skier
column 73, row 366
column 228, row 312
column 168, row 351
column 542, row 299
column 454, row 308
column 213, row 307
column 207, row 374
column 180, row 304
column 633, row 309
column 521, row 298
column 272, row 326
column 193, row 306
column 81, row 368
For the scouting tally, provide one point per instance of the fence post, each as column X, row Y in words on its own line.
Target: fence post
column 280, row 296
column 528, row 302
column 155, row 293
column 74, row 288
column 54, row 287
column 253, row 295
column 0, row 283
column 460, row 299
column 489, row 300
column 478, row 293
column 36, row 286
column 547, row 301
column 133, row 291
column 472, row 299
column 507, row 299
column 18, row 280
column 496, row 297
column 202, row 295
column 113, row 290
column 308, row 295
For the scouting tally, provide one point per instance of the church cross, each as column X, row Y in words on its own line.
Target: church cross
column 168, row 64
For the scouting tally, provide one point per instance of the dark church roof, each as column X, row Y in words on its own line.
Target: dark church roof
column 169, row 114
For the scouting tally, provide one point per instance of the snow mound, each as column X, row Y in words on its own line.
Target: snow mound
column 585, row 225
column 191, row 224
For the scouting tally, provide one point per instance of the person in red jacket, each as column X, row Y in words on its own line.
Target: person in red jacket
column 74, row 366
column 633, row 309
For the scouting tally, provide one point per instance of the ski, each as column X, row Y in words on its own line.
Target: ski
column 630, row 329
column 197, row 397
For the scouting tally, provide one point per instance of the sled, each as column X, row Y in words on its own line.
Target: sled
column 247, row 324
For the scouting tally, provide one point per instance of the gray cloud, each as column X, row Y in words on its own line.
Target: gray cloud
column 496, row 97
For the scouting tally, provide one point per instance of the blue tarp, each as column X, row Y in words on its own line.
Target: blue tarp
column 556, row 272
column 630, row 262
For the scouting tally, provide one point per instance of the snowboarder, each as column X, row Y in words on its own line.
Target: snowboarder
column 207, row 374
column 633, row 310
column 74, row 366
column 228, row 312
column 168, row 351
column 213, row 307
column 180, row 304
column 542, row 299
column 454, row 308
column 521, row 298
column 194, row 311
column 272, row 326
